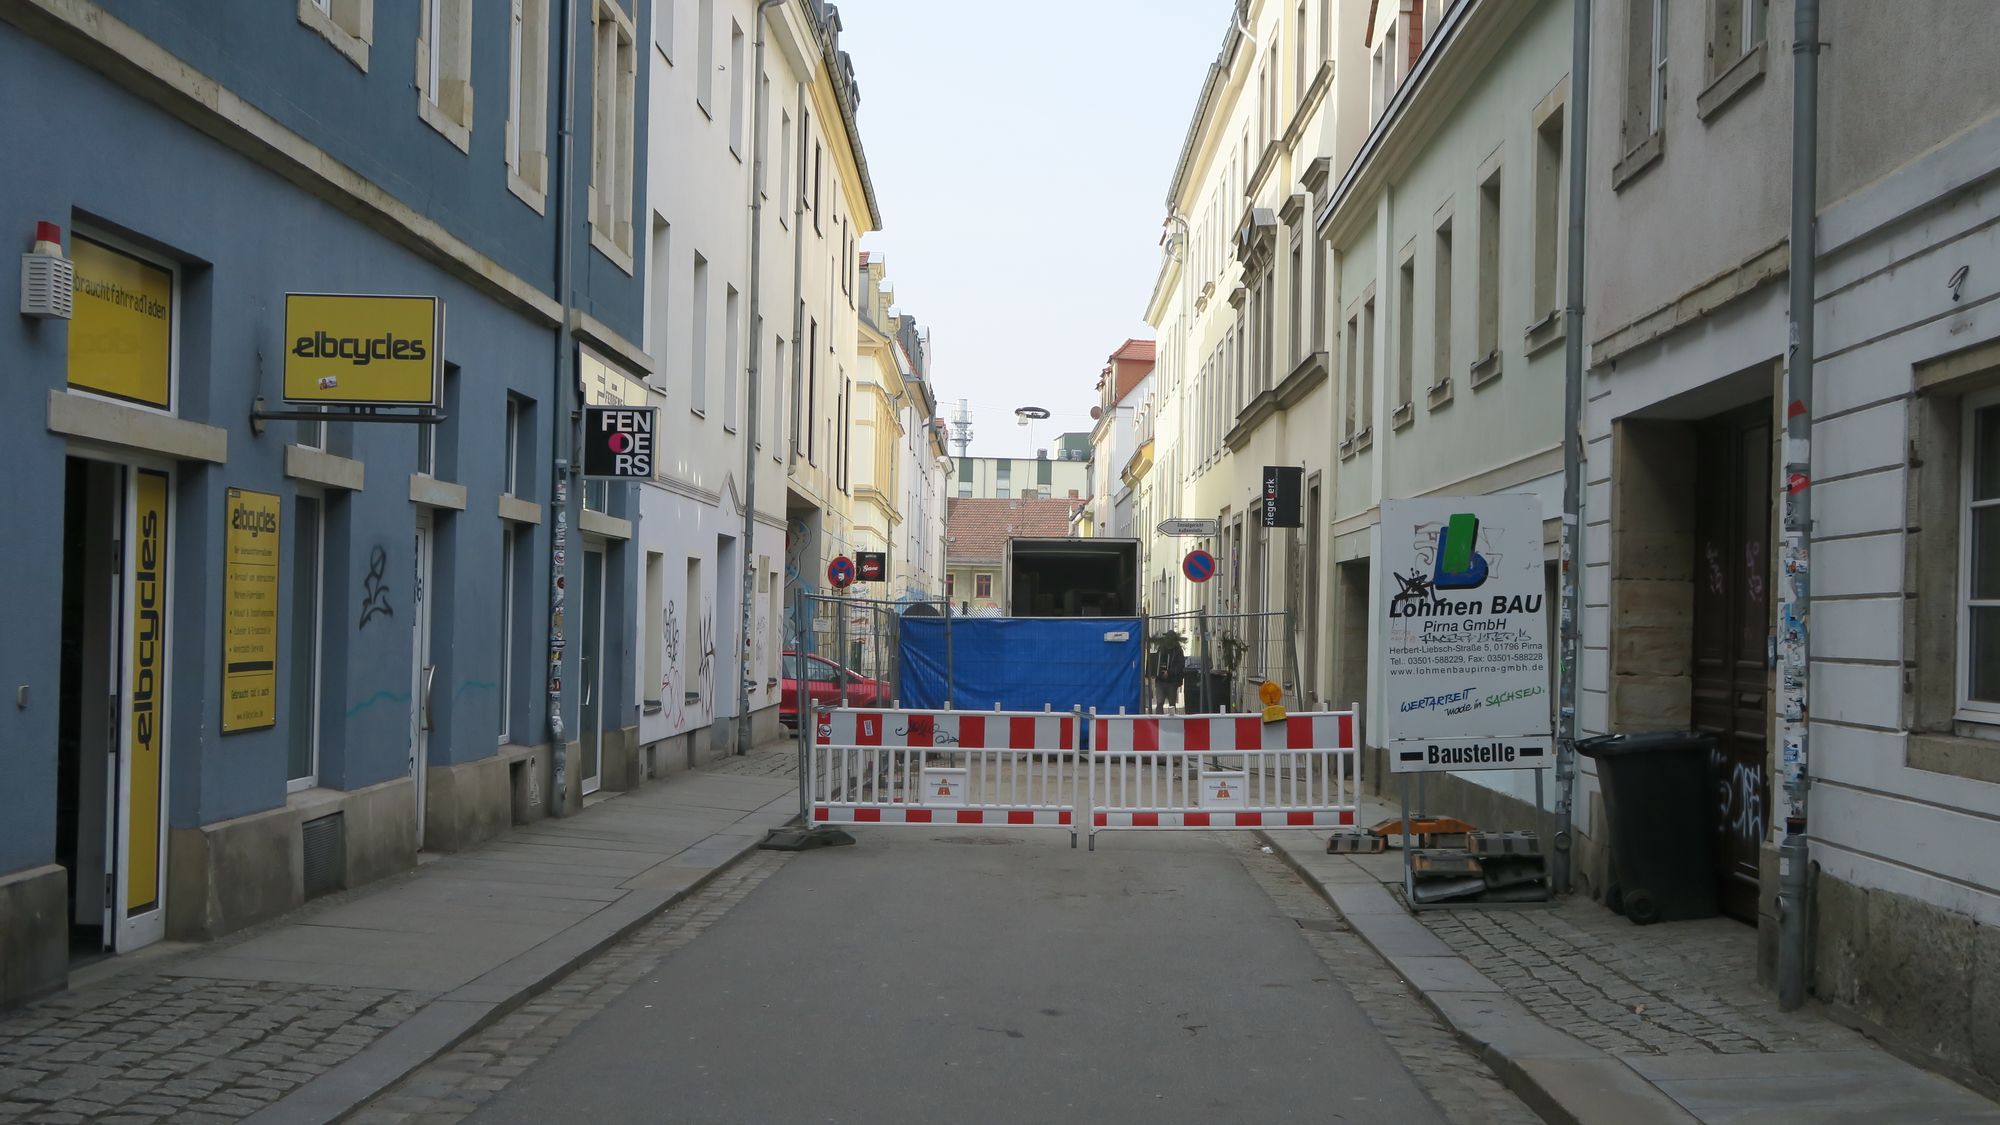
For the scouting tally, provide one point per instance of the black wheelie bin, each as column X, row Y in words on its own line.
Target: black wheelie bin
column 1660, row 800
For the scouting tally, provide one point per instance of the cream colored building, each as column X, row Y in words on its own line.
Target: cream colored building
column 899, row 463
column 711, row 329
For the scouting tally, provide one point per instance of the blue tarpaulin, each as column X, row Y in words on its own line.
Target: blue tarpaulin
column 1024, row 663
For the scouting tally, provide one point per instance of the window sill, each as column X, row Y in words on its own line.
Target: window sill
column 458, row 133
column 1486, row 370
column 354, row 48
column 1741, row 75
column 1439, row 393
column 698, row 412
column 316, row 466
column 1544, row 334
column 1401, row 417
column 735, row 151
column 534, row 197
column 603, row 244
column 515, row 509
column 1638, row 160
column 1974, row 759
column 430, row 492
column 703, row 107
column 652, row 707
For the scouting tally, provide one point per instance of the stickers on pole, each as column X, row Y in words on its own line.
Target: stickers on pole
column 1466, row 663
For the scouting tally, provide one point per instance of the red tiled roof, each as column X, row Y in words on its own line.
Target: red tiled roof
column 977, row 528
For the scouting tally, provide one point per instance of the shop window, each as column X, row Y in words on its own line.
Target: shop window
column 122, row 334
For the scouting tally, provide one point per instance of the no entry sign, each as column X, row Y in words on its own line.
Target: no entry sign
column 1199, row 566
column 840, row 572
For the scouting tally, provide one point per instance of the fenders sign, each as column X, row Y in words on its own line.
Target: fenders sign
column 346, row 349
column 1466, row 661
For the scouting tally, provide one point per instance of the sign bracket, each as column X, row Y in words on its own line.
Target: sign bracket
column 424, row 416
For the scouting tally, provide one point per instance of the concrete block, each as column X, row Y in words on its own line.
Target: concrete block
column 34, row 933
column 527, row 783
column 466, row 804
column 623, row 766
column 224, row 876
column 380, row 829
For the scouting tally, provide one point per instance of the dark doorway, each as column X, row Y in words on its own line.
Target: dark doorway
column 1732, row 627
column 88, row 726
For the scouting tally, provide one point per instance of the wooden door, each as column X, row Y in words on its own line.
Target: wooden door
column 1732, row 629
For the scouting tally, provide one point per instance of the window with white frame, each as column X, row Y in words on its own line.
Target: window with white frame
column 1735, row 29
column 347, row 24
column 519, row 413
column 308, row 535
column 528, row 101
column 1979, row 562
column 444, row 68
column 614, row 102
column 1645, row 71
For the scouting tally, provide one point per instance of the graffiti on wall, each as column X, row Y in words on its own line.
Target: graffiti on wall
column 375, row 588
column 673, row 698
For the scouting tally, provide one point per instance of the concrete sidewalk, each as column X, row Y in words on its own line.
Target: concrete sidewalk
column 1589, row 1018
column 302, row 1019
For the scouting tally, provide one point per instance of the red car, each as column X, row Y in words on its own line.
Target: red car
column 823, row 687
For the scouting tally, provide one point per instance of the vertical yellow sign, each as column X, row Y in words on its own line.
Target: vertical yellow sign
column 148, row 690
column 121, row 338
column 250, row 612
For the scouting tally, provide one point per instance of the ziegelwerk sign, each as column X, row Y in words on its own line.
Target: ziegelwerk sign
column 351, row 350
column 1466, row 664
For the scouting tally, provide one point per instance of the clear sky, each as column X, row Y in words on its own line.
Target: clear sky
column 1021, row 153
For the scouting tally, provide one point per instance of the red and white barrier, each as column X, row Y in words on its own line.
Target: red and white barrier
column 1222, row 771
column 978, row 768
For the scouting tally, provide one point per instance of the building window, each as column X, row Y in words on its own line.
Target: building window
column 1735, row 29
column 123, row 334
column 1299, row 51
column 347, row 24
column 308, row 533
column 1645, row 71
column 1353, row 369
column 659, row 278
column 1298, row 297
column 1488, row 346
column 1441, row 310
column 784, row 165
column 1368, row 364
column 663, row 28
column 1979, row 563
column 732, row 331
column 528, row 101
column 816, row 182
column 704, row 55
column 508, row 539
column 774, row 434
column 1326, row 30
column 812, row 393
column 614, row 107
column 951, row 585
column 652, row 633
column 1406, row 336
column 739, row 89
column 1548, row 234
column 982, row 586
column 698, row 340
column 516, row 451
column 444, row 69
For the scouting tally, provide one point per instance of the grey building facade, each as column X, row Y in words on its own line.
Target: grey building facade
column 209, row 728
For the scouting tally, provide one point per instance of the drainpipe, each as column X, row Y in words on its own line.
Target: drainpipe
column 563, row 399
column 1571, row 614
column 1795, row 586
column 756, row 380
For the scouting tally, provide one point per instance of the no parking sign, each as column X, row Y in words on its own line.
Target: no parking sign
column 1199, row 566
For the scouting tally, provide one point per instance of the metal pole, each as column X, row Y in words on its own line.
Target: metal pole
column 950, row 671
column 1795, row 586
column 1571, row 611
column 1292, row 662
column 840, row 643
column 565, row 407
column 754, row 401
column 1206, row 669
column 806, row 720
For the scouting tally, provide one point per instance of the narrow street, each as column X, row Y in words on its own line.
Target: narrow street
column 969, row 977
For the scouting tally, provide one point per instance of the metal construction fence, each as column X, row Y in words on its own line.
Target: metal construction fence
column 895, row 766
column 1223, row 658
column 862, row 635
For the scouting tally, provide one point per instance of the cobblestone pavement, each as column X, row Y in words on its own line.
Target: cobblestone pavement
column 1464, row 1089
column 1681, row 987
column 455, row 1085
column 153, row 1048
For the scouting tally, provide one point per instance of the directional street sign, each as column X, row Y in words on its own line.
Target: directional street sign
column 1195, row 528
column 840, row 572
column 1199, row 566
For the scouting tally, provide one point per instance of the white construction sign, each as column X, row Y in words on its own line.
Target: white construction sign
column 1467, row 656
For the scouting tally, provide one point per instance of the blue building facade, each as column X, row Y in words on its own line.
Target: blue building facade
column 253, row 660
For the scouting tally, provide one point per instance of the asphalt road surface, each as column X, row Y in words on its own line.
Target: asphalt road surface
column 974, row 977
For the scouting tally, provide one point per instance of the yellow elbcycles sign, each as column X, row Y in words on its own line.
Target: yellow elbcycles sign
column 121, row 338
column 350, row 350
column 250, row 612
